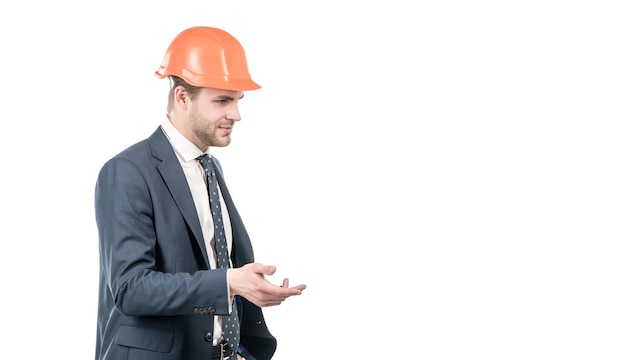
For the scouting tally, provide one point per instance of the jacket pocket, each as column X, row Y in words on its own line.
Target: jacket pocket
column 153, row 339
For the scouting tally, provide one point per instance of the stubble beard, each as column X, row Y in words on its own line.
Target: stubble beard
column 207, row 131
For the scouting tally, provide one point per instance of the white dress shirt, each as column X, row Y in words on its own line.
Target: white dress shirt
column 187, row 152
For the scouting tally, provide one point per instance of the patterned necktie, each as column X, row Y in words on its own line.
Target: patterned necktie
column 230, row 324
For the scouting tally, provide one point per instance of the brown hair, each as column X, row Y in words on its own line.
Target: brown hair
column 175, row 82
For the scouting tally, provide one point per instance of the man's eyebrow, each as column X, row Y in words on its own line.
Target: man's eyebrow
column 226, row 97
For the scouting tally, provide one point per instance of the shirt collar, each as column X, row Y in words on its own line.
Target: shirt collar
column 182, row 146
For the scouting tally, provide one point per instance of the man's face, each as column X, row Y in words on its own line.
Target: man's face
column 212, row 115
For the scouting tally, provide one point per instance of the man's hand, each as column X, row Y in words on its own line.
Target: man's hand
column 249, row 282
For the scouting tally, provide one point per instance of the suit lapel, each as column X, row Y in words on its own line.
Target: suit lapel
column 175, row 181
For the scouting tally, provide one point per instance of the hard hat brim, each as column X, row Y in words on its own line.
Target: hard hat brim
column 224, row 84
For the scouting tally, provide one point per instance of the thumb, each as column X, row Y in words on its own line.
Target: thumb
column 264, row 269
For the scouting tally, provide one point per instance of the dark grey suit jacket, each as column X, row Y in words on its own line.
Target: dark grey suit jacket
column 157, row 296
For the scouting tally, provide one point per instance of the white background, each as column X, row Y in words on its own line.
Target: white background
column 447, row 177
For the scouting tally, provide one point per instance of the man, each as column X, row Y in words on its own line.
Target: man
column 163, row 293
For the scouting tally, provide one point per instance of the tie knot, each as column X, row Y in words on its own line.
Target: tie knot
column 205, row 161
column 204, row 157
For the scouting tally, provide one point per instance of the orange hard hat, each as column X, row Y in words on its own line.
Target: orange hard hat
column 207, row 57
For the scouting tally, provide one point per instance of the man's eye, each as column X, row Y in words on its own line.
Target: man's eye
column 222, row 101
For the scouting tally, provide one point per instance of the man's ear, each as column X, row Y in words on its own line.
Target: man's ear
column 181, row 97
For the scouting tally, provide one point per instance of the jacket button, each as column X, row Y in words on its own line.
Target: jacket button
column 208, row 337
column 211, row 309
